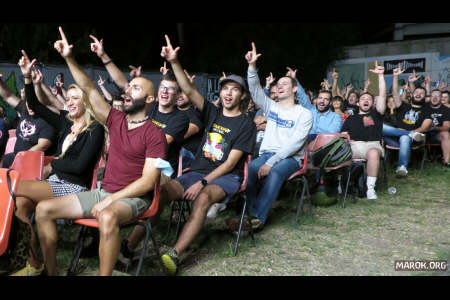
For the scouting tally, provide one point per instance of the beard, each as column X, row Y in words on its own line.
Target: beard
column 137, row 106
column 418, row 102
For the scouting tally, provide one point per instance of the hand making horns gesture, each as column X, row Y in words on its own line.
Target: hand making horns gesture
column 378, row 69
column 25, row 64
column 97, row 46
column 62, row 45
column 252, row 56
column 398, row 71
column 168, row 52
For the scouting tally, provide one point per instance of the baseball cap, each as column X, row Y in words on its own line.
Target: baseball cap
column 235, row 78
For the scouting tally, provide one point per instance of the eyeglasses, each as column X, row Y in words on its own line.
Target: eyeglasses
column 170, row 89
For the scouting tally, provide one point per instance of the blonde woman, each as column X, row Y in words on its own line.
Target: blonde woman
column 79, row 145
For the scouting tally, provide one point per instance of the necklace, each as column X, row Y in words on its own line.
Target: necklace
column 138, row 121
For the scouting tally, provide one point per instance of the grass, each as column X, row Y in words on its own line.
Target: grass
column 365, row 238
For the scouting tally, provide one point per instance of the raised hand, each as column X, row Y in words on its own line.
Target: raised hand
column 189, row 77
column 366, row 84
column 97, row 46
column 428, row 79
column 334, row 74
column 25, row 64
column 164, row 69
column 223, row 76
column 62, row 46
column 325, row 84
column 135, row 72
column 252, row 55
column 100, row 81
column 168, row 52
column 398, row 71
column 269, row 80
column 413, row 77
column 291, row 73
column 36, row 75
column 378, row 69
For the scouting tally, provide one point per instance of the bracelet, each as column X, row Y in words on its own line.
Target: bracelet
column 27, row 77
column 108, row 62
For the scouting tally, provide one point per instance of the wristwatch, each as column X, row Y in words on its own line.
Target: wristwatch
column 204, row 182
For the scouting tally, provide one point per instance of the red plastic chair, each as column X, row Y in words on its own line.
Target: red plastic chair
column 7, row 204
column 300, row 178
column 421, row 147
column 30, row 165
column 143, row 220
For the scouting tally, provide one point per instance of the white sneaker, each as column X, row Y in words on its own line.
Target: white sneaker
column 371, row 194
column 214, row 209
column 417, row 136
column 401, row 171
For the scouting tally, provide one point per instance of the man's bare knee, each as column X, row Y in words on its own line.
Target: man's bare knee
column 107, row 221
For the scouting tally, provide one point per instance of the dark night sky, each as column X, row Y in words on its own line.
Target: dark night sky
column 207, row 48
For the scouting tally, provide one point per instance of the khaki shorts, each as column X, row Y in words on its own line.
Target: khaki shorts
column 360, row 148
column 89, row 199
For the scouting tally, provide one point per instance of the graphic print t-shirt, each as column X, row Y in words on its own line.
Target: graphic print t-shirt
column 439, row 115
column 364, row 127
column 174, row 124
column 411, row 118
column 29, row 130
column 226, row 134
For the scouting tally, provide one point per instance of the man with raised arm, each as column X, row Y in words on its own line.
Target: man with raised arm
column 365, row 130
column 413, row 120
column 283, row 145
column 163, row 112
column 130, row 175
column 33, row 133
column 217, row 169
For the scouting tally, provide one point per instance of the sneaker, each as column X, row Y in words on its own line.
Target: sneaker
column 125, row 254
column 446, row 164
column 29, row 271
column 401, row 171
column 417, row 136
column 371, row 194
column 170, row 261
column 215, row 209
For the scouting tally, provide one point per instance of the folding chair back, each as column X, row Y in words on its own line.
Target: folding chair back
column 6, row 205
column 30, row 165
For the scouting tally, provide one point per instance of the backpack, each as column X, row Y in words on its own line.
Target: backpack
column 332, row 154
column 14, row 257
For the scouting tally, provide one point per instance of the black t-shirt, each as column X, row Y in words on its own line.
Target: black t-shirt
column 225, row 134
column 175, row 124
column 364, row 127
column 192, row 143
column 411, row 118
column 30, row 129
column 439, row 115
column 351, row 109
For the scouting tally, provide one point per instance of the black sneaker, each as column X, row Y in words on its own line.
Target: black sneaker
column 125, row 254
column 170, row 261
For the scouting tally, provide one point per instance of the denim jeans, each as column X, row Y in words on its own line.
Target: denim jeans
column 398, row 138
column 187, row 157
column 260, row 203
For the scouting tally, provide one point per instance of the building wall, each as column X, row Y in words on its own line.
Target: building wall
column 431, row 54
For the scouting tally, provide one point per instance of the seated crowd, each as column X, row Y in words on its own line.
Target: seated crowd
column 135, row 129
